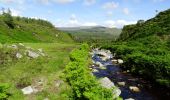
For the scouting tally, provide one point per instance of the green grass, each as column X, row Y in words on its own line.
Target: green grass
column 25, row 71
column 28, row 30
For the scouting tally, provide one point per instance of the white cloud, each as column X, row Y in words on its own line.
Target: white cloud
column 89, row 24
column 63, row 1
column 15, row 12
column 126, row 11
column 117, row 23
column 73, row 22
column 110, row 5
column 12, row 1
column 56, row 1
column 89, row 2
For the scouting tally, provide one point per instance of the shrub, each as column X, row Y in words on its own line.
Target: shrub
column 3, row 91
column 84, row 85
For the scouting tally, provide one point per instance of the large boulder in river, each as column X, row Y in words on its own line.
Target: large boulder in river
column 120, row 61
column 107, row 83
column 134, row 89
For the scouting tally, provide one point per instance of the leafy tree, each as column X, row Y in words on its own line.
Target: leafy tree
column 8, row 19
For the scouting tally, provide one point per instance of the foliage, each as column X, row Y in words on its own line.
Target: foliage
column 145, row 48
column 8, row 19
column 21, row 29
column 93, row 34
column 4, row 91
column 23, row 72
column 84, row 85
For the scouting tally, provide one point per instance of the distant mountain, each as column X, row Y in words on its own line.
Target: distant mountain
column 92, row 33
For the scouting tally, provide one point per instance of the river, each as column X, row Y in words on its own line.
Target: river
column 148, row 91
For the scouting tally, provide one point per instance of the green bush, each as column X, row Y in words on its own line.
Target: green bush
column 84, row 85
column 3, row 91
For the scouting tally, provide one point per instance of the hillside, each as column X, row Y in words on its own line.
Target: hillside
column 29, row 30
column 159, row 25
column 93, row 34
column 145, row 48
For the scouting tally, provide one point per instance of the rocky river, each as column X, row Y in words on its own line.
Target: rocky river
column 129, row 87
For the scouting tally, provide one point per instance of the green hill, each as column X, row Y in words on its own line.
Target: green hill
column 29, row 30
column 93, row 34
column 145, row 48
column 159, row 25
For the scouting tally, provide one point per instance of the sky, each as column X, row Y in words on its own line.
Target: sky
column 74, row 13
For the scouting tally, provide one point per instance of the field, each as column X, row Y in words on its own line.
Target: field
column 48, row 69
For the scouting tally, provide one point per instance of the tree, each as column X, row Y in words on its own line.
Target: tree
column 7, row 18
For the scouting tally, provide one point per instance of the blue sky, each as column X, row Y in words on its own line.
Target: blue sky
column 72, row 13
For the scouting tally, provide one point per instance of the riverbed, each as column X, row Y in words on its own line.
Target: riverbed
column 124, row 80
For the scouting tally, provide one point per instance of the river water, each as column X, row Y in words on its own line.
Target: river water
column 148, row 91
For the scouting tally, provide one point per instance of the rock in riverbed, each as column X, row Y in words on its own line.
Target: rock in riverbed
column 107, row 83
column 134, row 89
column 121, row 83
column 120, row 61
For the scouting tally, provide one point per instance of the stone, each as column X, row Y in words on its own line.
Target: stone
column 18, row 55
column 95, row 70
column 99, row 64
column 58, row 83
column 120, row 61
column 27, row 90
column 134, row 89
column 33, row 54
column 104, row 58
column 40, row 50
column 102, row 67
column 106, row 82
column 121, row 83
column 130, row 99
column 116, row 92
column 46, row 99
column 21, row 44
column 114, row 61
column 128, row 71
column 14, row 46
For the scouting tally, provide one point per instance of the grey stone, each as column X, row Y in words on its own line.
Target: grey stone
column 120, row 61
column 21, row 44
column 134, row 89
column 106, row 82
column 121, row 83
column 33, row 54
column 14, row 46
column 18, row 55
column 27, row 90
column 95, row 70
